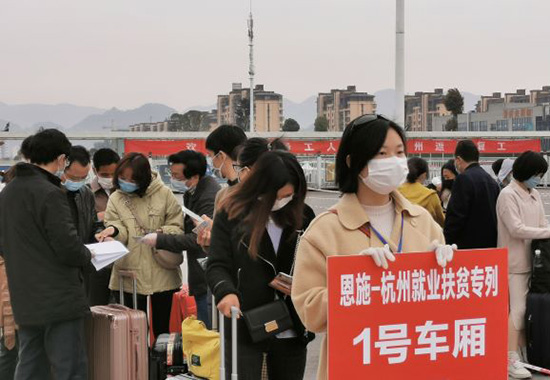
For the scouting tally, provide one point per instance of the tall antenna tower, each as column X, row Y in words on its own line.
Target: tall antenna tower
column 400, row 62
column 251, row 71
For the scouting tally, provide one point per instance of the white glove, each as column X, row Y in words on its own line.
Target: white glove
column 443, row 253
column 150, row 240
column 380, row 255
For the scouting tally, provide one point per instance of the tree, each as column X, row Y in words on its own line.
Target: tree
column 191, row 121
column 454, row 101
column 291, row 125
column 321, row 124
column 242, row 113
column 451, row 125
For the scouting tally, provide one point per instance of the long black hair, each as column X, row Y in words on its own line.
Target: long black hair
column 254, row 198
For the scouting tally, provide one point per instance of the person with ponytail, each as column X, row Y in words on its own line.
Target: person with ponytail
column 253, row 244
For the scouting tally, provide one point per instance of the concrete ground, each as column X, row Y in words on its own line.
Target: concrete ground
column 320, row 201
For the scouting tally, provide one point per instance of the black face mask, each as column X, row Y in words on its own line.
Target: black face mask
column 447, row 184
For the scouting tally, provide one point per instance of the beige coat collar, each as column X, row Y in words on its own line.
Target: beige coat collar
column 352, row 216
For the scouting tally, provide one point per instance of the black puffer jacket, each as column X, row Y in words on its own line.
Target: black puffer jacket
column 43, row 253
column 231, row 270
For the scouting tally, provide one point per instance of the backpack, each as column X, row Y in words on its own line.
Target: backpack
column 540, row 272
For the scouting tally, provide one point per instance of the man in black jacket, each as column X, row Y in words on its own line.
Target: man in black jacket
column 44, row 259
column 82, row 204
column 471, row 220
column 188, row 169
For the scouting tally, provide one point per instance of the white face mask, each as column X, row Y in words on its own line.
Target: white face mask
column 280, row 203
column 105, row 183
column 386, row 174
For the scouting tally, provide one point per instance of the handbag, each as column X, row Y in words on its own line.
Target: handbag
column 268, row 320
column 201, row 347
column 165, row 259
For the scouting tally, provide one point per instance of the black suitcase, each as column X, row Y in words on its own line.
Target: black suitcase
column 167, row 357
column 537, row 329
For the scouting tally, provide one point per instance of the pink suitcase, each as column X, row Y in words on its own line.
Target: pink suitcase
column 117, row 341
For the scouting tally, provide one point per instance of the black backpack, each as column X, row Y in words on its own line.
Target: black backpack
column 540, row 273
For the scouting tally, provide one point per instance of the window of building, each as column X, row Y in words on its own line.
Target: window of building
column 483, row 125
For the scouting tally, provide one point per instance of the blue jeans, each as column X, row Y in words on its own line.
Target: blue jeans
column 8, row 360
column 203, row 312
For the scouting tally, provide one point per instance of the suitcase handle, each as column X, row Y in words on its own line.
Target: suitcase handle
column 127, row 274
column 234, row 313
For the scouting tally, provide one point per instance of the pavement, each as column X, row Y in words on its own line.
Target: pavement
column 320, row 201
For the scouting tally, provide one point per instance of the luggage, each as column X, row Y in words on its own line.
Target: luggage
column 537, row 328
column 117, row 340
column 167, row 357
column 183, row 306
column 540, row 273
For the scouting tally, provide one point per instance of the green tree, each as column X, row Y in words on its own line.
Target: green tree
column 191, row 121
column 321, row 124
column 291, row 125
column 454, row 101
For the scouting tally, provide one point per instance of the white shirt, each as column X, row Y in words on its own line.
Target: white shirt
column 275, row 233
column 381, row 218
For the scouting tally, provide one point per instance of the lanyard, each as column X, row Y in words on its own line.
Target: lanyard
column 384, row 241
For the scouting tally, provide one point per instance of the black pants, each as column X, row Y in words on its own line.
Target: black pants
column 161, row 305
column 97, row 287
column 57, row 351
column 8, row 359
column 286, row 358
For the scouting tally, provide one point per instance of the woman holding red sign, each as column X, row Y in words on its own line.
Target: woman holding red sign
column 372, row 218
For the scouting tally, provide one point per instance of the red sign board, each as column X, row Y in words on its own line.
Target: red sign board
column 330, row 147
column 417, row 320
column 425, row 146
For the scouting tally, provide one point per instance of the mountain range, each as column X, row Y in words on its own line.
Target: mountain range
column 69, row 117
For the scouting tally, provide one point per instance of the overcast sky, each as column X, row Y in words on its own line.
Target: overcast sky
column 183, row 53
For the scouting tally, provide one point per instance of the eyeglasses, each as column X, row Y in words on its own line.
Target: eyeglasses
column 239, row 168
column 365, row 119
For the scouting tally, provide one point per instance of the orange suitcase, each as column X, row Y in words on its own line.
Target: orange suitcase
column 183, row 306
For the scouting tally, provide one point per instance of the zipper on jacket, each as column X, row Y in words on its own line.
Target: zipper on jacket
column 239, row 278
column 216, row 286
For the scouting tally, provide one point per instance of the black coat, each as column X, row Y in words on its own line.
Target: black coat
column 201, row 202
column 43, row 253
column 231, row 270
column 87, row 225
column 471, row 220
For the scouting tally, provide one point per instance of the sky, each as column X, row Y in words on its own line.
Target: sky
column 183, row 53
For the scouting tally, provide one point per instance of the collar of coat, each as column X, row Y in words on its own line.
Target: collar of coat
column 23, row 169
column 521, row 192
column 352, row 216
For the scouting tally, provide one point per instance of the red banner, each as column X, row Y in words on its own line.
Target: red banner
column 425, row 146
column 417, row 320
column 330, row 147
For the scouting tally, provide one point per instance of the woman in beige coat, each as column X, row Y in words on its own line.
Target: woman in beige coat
column 370, row 165
column 143, row 204
column 521, row 218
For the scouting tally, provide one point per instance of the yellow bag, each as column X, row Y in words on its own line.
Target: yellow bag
column 201, row 348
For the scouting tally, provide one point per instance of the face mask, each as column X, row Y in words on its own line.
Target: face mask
column 386, row 174
column 105, row 183
column 60, row 169
column 280, row 203
column 217, row 170
column 179, row 185
column 127, row 187
column 73, row 185
column 532, row 182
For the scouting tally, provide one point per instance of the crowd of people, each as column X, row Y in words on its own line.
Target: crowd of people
column 263, row 250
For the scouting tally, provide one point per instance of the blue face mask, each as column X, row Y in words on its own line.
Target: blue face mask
column 179, row 185
column 127, row 187
column 532, row 182
column 73, row 185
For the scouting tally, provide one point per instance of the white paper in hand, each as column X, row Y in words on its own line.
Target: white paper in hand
column 107, row 253
column 192, row 215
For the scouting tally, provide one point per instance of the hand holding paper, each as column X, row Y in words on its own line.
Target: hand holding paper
column 106, row 253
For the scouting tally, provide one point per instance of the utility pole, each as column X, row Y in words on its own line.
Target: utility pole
column 400, row 62
column 251, row 66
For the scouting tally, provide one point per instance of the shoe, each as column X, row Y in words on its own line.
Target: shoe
column 516, row 370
